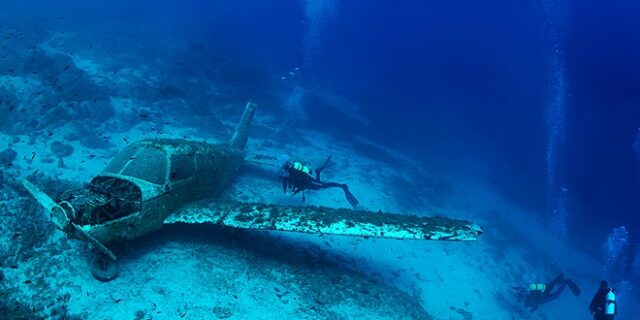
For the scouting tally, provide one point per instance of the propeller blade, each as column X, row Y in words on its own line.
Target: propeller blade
column 57, row 214
column 95, row 242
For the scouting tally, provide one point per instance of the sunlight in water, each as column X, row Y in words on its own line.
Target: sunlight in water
column 294, row 103
column 615, row 252
column 317, row 14
column 557, row 192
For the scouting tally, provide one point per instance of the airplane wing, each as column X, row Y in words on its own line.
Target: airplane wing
column 322, row 220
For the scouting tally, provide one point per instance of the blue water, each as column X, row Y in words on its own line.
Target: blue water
column 539, row 99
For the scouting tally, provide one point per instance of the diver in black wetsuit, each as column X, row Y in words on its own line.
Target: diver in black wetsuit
column 297, row 177
column 537, row 294
column 603, row 304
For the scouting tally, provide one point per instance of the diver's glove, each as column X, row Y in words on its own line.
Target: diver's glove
column 327, row 163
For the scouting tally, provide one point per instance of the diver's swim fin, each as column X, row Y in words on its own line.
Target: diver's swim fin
column 351, row 198
column 574, row 287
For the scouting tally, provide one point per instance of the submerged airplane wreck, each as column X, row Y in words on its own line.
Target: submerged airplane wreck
column 152, row 183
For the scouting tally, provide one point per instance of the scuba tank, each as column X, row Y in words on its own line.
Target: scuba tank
column 610, row 302
column 300, row 167
column 537, row 287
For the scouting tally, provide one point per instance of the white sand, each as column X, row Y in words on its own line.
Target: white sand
column 167, row 276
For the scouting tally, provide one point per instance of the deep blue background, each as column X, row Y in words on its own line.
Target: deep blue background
column 460, row 85
column 464, row 87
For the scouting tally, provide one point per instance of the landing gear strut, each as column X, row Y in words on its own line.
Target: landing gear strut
column 103, row 267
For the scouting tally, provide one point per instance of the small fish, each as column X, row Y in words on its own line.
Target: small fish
column 33, row 155
column 118, row 300
column 143, row 115
column 27, row 282
column 17, row 234
column 67, row 67
column 37, row 170
column 125, row 140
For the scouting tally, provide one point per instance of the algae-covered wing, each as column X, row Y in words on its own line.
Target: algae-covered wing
column 327, row 221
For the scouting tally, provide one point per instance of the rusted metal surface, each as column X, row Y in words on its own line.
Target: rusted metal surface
column 143, row 184
column 213, row 168
column 327, row 221
column 155, row 182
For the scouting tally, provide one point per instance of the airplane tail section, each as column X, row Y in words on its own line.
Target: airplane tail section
column 241, row 135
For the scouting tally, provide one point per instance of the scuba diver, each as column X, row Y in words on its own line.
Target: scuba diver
column 603, row 305
column 297, row 177
column 539, row 293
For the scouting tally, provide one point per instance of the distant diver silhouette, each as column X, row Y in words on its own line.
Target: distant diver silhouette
column 603, row 305
column 536, row 294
